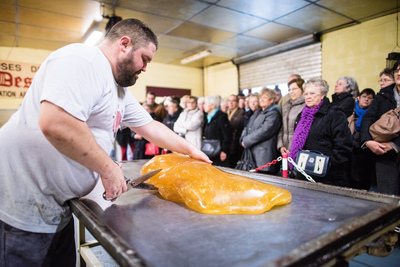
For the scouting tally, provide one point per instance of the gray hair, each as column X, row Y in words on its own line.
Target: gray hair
column 321, row 84
column 351, row 85
column 214, row 99
column 271, row 93
column 201, row 99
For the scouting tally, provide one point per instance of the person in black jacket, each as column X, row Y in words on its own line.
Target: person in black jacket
column 261, row 133
column 324, row 128
column 173, row 109
column 387, row 162
column 236, row 121
column 216, row 126
column 346, row 89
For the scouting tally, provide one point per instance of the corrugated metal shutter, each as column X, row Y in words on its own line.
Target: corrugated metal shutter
column 276, row 69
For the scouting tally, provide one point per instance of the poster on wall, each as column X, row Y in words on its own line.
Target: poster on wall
column 15, row 78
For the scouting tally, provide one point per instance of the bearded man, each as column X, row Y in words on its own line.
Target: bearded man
column 57, row 145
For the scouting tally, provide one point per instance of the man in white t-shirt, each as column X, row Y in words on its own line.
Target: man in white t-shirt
column 57, row 145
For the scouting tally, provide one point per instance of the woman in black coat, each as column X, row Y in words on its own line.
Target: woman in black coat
column 346, row 89
column 323, row 128
column 261, row 133
column 216, row 126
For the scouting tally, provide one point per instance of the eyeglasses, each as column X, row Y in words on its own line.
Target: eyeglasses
column 386, row 80
column 191, row 102
column 293, row 89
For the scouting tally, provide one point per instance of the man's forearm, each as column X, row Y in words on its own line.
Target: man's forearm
column 160, row 135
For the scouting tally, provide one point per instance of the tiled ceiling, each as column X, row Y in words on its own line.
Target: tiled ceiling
column 229, row 28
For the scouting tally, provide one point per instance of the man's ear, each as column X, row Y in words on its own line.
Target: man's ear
column 124, row 43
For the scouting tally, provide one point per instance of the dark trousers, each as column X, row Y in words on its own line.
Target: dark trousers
column 362, row 171
column 388, row 173
column 22, row 248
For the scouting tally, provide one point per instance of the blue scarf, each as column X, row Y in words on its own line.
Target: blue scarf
column 360, row 113
column 211, row 115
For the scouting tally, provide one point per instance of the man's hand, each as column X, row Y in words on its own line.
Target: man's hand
column 377, row 148
column 243, row 145
column 114, row 182
column 198, row 154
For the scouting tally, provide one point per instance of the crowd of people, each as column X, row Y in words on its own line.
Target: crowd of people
column 69, row 124
column 260, row 127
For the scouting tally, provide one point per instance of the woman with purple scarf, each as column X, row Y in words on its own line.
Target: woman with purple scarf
column 324, row 128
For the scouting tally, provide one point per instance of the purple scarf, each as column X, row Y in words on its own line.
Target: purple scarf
column 302, row 129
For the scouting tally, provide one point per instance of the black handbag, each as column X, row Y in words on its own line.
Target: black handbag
column 313, row 162
column 246, row 163
column 211, row 147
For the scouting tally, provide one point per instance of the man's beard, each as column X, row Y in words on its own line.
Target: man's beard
column 124, row 73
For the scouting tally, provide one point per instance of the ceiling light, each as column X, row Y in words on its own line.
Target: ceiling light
column 93, row 38
column 196, row 56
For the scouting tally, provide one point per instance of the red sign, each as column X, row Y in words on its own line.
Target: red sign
column 15, row 78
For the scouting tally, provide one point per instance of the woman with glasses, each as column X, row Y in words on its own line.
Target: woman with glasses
column 386, row 78
column 324, row 128
column 290, row 110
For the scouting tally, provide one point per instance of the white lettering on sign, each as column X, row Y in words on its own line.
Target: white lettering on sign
column 319, row 164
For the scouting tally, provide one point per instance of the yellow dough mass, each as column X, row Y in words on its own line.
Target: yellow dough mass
column 206, row 189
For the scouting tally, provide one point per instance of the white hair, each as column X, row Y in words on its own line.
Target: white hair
column 214, row 99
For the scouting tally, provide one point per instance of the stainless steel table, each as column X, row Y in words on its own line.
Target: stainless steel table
column 323, row 225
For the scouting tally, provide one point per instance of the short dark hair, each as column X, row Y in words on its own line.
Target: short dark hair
column 387, row 72
column 368, row 91
column 175, row 101
column 138, row 31
column 151, row 93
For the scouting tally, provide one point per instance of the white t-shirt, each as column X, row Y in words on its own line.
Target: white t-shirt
column 36, row 179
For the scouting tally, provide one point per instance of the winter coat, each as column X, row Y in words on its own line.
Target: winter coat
column 170, row 119
column 345, row 102
column 261, row 134
column 219, row 128
column 330, row 134
column 237, row 125
column 189, row 124
column 290, row 110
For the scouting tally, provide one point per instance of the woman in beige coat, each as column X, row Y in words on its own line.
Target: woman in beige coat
column 290, row 110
